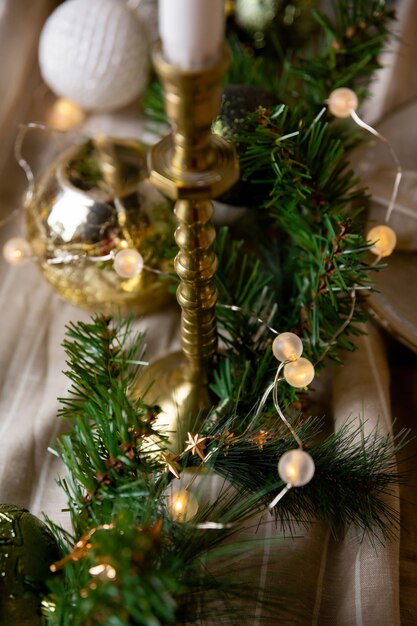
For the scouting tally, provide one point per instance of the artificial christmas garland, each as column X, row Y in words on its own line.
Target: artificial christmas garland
column 134, row 559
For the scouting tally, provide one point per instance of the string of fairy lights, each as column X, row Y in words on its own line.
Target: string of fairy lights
column 128, row 262
column 295, row 467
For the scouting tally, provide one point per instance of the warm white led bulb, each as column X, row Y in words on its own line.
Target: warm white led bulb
column 384, row 240
column 299, row 373
column 65, row 115
column 182, row 505
column 287, row 347
column 296, row 468
column 342, row 102
column 103, row 570
column 128, row 263
column 17, row 251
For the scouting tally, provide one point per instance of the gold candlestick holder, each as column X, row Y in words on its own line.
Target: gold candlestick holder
column 191, row 165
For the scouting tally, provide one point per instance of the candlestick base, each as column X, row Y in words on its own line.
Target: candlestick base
column 221, row 172
column 183, row 397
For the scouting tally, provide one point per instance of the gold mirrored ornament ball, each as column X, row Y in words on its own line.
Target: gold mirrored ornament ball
column 94, row 201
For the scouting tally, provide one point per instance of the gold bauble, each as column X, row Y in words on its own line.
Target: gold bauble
column 93, row 201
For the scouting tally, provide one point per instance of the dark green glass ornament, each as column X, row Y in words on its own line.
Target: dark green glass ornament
column 27, row 549
column 238, row 103
column 273, row 27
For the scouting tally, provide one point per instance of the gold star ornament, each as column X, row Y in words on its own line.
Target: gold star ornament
column 196, row 445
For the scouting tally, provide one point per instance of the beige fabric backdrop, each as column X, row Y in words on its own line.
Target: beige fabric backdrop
column 336, row 584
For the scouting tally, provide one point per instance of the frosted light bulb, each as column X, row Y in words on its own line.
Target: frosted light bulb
column 65, row 115
column 383, row 238
column 287, row 347
column 182, row 506
column 342, row 102
column 299, row 373
column 128, row 263
column 17, row 251
column 103, row 570
column 296, row 468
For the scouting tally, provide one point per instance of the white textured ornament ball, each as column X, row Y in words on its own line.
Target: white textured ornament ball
column 384, row 239
column 296, row 468
column 128, row 263
column 287, row 347
column 299, row 373
column 17, row 251
column 342, row 102
column 147, row 12
column 94, row 52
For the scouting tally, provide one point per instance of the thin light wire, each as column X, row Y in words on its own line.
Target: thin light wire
column 18, row 146
column 341, row 329
column 21, row 161
column 21, row 135
column 274, row 388
column 280, row 495
column 399, row 173
column 255, row 316
column 278, row 408
column 10, row 217
column 69, row 258
column 263, row 402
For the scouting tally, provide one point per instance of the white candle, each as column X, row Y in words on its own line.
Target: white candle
column 191, row 31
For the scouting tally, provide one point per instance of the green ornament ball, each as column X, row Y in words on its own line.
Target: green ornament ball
column 27, row 549
column 256, row 15
column 238, row 103
column 260, row 23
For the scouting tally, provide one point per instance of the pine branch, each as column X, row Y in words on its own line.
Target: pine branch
column 349, row 53
column 316, row 205
column 103, row 451
column 133, row 563
column 117, row 492
column 355, row 476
